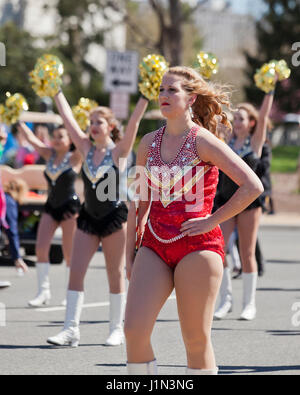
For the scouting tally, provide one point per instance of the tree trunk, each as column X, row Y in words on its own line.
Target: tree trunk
column 170, row 23
column 175, row 33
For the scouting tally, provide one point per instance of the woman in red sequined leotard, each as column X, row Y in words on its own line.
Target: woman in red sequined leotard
column 182, row 246
column 192, row 196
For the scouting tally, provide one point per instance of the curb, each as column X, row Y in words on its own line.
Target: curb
column 289, row 221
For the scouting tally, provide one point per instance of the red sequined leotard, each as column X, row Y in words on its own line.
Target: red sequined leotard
column 182, row 189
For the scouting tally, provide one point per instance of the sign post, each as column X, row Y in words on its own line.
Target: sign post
column 120, row 80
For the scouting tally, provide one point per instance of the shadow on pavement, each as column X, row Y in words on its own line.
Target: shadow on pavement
column 256, row 369
column 284, row 333
column 288, row 261
column 279, row 289
column 22, row 347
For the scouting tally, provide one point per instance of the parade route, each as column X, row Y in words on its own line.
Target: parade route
column 269, row 345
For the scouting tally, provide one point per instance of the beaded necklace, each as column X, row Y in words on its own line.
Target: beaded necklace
column 95, row 173
column 55, row 171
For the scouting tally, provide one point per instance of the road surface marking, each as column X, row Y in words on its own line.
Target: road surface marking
column 85, row 306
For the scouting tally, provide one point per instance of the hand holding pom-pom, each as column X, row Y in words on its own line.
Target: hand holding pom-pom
column 46, row 76
column 11, row 111
column 267, row 76
column 152, row 69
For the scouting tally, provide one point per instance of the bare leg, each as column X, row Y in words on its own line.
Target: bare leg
column 68, row 229
column 225, row 305
column 197, row 280
column 68, row 232
column 150, row 285
column 46, row 230
column 114, row 253
column 84, row 247
column 248, row 225
column 227, row 229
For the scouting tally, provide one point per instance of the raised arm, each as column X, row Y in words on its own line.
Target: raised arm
column 124, row 147
column 79, row 138
column 37, row 144
column 260, row 134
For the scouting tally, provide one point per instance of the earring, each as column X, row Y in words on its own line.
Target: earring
column 191, row 112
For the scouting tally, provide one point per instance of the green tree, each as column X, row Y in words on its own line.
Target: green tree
column 164, row 27
column 71, row 43
column 278, row 29
column 20, row 60
column 161, row 27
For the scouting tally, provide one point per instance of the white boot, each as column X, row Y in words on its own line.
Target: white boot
column 225, row 306
column 70, row 335
column 202, row 372
column 43, row 297
column 249, row 291
column 140, row 369
column 116, row 315
column 67, row 274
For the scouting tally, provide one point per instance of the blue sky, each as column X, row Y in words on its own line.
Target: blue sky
column 255, row 7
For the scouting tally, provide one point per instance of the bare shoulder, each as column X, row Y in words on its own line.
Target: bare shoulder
column 207, row 144
column 148, row 138
column 146, row 141
column 205, row 136
column 144, row 147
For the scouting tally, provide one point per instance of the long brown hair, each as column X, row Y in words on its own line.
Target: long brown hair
column 208, row 107
column 253, row 115
column 107, row 113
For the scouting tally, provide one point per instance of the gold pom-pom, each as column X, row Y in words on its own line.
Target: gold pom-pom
column 81, row 112
column 46, row 75
column 209, row 64
column 11, row 111
column 265, row 77
column 152, row 68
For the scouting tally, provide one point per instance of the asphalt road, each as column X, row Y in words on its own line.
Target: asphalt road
column 269, row 345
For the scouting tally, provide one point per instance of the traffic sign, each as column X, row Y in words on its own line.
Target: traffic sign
column 121, row 72
column 119, row 104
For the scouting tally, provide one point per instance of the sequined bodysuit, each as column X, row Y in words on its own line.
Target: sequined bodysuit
column 62, row 197
column 181, row 190
column 227, row 187
column 101, row 214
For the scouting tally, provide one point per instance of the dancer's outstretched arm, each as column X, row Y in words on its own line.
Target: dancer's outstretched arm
column 37, row 144
column 260, row 134
column 79, row 138
column 124, row 147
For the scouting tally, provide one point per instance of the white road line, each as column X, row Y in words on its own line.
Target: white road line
column 85, row 306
